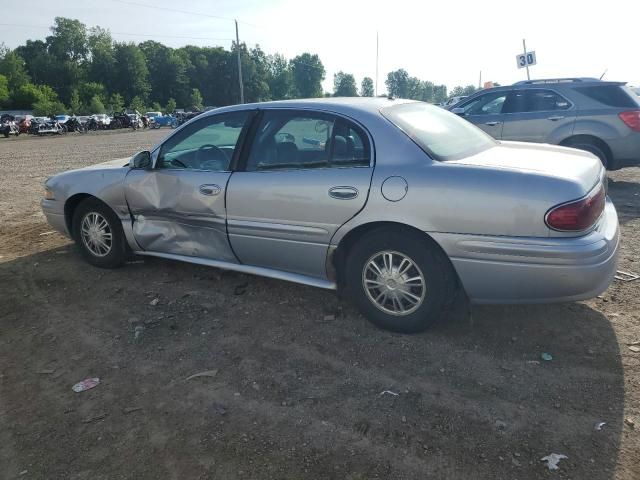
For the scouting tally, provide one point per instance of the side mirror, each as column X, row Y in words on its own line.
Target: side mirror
column 458, row 111
column 141, row 160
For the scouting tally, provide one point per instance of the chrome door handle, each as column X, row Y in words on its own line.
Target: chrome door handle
column 555, row 119
column 343, row 193
column 210, row 190
column 492, row 124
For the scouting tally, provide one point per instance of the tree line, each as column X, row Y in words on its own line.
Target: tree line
column 80, row 70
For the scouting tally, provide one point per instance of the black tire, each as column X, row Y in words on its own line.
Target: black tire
column 119, row 250
column 440, row 278
column 591, row 148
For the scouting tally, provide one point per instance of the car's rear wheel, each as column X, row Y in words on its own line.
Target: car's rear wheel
column 99, row 235
column 399, row 279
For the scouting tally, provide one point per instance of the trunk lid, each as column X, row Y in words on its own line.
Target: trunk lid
column 577, row 166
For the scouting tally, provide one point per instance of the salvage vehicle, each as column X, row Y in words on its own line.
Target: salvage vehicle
column 8, row 126
column 396, row 203
column 163, row 121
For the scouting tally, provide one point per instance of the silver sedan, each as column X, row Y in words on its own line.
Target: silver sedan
column 400, row 204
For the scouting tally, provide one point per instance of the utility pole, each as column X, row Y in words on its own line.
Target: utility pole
column 480, row 81
column 239, row 65
column 524, row 46
column 376, row 92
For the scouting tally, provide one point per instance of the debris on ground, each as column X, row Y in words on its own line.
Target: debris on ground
column 637, row 342
column 206, row 373
column 329, row 318
column 389, row 392
column 634, row 348
column 553, row 459
column 629, row 422
column 219, row 408
column 500, row 425
column 547, row 357
column 50, row 232
column 626, row 276
column 241, row 289
column 95, row 418
column 599, row 425
column 154, row 302
column 86, row 384
column 137, row 332
column 533, row 362
column 128, row 410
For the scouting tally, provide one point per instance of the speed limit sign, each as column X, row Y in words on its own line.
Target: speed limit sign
column 526, row 59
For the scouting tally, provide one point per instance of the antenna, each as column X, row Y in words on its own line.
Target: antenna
column 604, row 73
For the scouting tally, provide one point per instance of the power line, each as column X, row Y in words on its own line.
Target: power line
column 186, row 12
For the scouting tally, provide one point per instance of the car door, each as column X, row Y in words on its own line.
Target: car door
column 305, row 175
column 485, row 111
column 537, row 115
column 178, row 206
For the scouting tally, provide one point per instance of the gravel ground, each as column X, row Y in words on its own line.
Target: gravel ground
column 296, row 377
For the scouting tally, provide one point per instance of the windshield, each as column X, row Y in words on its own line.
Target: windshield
column 441, row 134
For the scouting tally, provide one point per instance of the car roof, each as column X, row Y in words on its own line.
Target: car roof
column 344, row 105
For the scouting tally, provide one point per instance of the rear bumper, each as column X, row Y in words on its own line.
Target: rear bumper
column 54, row 212
column 536, row 270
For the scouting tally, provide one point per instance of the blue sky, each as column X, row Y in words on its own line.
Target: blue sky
column 444, row 42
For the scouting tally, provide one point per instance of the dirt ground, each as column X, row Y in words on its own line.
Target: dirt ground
column 296, row 375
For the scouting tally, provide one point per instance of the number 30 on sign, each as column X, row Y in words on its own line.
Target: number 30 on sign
column 526, row 60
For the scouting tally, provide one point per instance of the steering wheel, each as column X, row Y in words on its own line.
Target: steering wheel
column 203, row 154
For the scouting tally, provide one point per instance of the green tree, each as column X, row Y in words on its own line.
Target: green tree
column 344, row 85
column 48, row 102
column 440, row 93
column 155, row 106
column 398, row 83
column 366, row 87
column 308, row 74
column 196, row 99
column 137, row 103
column 168, row 71
column 96, row 105
column 102, row 63
column 116, row 103
column 69, row 39
column 88, row 90
column 4, row 90
column 171, row 106
column 279, row 77
column 131, row 73
column 75, row 105
column 25, row 96
column 463, row 91
column 12, row 66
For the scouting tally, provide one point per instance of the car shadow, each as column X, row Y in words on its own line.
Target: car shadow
column 626, row 197
column 297, row 370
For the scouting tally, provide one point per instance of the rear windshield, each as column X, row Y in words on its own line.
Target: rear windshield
column 441, row 134
column 610, row 95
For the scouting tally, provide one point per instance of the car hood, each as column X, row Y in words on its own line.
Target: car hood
column 578, row 166
column 117, row 163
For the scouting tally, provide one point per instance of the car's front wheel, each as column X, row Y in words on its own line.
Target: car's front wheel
column 400, row 280
column 99, row 235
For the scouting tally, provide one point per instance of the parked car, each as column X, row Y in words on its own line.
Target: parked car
column 593, row 115
column 454, row 101
column 163, row 121
column 102, row 120
column 289, row 190
column 62, row 118
column 151, row 115
column 8, row 125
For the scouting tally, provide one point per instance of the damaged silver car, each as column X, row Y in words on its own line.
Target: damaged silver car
column 398, row 203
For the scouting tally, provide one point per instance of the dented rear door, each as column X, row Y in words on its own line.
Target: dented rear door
column 178, row 207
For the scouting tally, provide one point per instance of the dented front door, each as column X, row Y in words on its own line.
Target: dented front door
column 178, row 207
column 180, row 212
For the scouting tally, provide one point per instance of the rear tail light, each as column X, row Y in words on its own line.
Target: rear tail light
column 577, row 215
column 631, row 119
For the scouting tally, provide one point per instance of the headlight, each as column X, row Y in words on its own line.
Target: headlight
column 48, row 194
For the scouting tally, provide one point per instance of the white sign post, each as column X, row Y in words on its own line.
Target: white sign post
column 526, row 59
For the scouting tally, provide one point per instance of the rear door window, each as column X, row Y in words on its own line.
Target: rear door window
column 535, row 100
column 489, row 104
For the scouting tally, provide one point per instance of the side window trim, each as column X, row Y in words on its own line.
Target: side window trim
column 257, row 120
